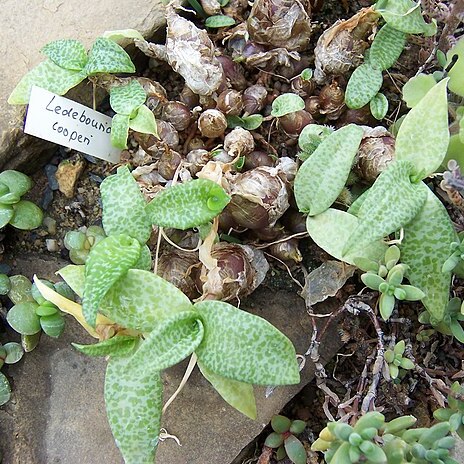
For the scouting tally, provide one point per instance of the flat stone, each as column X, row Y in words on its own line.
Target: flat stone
column 57, row 412
column 26, row 27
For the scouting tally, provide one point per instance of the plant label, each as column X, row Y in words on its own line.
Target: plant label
column 65, row 122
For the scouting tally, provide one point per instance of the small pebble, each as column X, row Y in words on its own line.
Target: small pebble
column 90, row 158
column 94, row 178
column 5, row 268
column 50, row 172
column 52, row 245
column 47, row 197
column 50, row 224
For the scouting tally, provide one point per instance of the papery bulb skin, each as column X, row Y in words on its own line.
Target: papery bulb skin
column 257, row 158
column 212, row 123
column 294, row 221
column 293, row 123
column 167, row 133
column 281, row 23
column 168, row 164
column 313, row 106
column 211, row 7
column 234, row 72
column 189, row 98
column 230, row 102
column 254, row 98
column 332, row 100
column 196, row 160
column 178, row 114
column 303, row 87
column 239, row 142
column 269, row 234
column 361, row 117
column 286, row 251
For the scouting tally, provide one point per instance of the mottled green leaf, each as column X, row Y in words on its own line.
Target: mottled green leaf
column 133, row 397
column 126, row 98
column 457, row 70
column 23, row 319
column 5, row 390
column 14, row 352
column 26, row 216
column 124, row 206
column 52, row 325
column 240, row 346
column 117, row 36
column 379, row 106
column 219, row 21
column 107, row 262
column 238, row 394
column 145, row 260
column 17, row 182
column 330, row 231
column 183, row 206
column 392, row 202
column 311, row 137
column 66, row 53
column 363, row 85
column 287, row 103
column 120, row 130
column 424, row 249
column 175, row 338
column 20, row 289
column 120, row 345
column 417, row 88
column 424, row 136
column 74, row 276
column 106, row 56
column 405, row 16
column 144, row 122
column 6, row 213
column 323, row 175
column 387, row 47
column 48, row 76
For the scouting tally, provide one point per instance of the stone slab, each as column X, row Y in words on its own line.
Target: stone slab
column 28, row 25
column 57, row 413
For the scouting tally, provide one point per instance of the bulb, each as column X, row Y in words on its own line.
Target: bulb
column 168, row 164
column 167, row 133
column 189, row 98
column 254, row 99
column 230, row 103
column 197, row 159
column 292, row 124
column 257, row 158
column 177, row 114
column 234, row 72
column 239, row 142
column 212, row 123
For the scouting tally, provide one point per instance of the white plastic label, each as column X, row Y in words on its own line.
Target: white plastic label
column 65, row 122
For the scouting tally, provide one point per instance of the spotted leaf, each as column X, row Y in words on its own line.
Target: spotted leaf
column 133, row 397
column 124, row 206
column 323, row 175
column 183, row 206
column 48, row 76
column 120, row 130
column 144, row 121
column 240, row 346
column 238, row 394
column 423, row 136
column 106, row 56
column 387, row 47
column 425, row 247
column 67, row 53
column 363, row 85
column 125, row 99
column 107, row 262
column 119, row 345
column 391, row 203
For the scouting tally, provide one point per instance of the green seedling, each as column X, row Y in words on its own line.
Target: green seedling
column 387, row 279
column 251, row 122
column 454, row 413
column 80, row 242
column 287, row 103
column 310, row 138
column 10, row 353
column 395, row 360
column 21, row 214
column 284, row 441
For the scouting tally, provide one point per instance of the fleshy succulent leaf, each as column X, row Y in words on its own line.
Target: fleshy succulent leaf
column 120, row 130
column 295, row 450
column 120, row 345
column 239, row 395
column 125, row 99
column 17, row 182
column 423, row 137
column 280, row 424
column 387, row 47
column 363, row 85
column 107, row 262
column 144, row 122
column 121, row 34
column 124, row 206
column 287, row 103
column 386, row 305
column 5, row 390
column 106, row 56
column 66, row 53
column 6, row 213
column 244, row 347
column 315, row 192
column 456, row 71
column 26, row 215
column 183, row 206
column 23, row 319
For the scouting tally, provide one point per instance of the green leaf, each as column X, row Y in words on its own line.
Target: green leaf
column 5, row 390
column 287, row 103
column 120, row 345
column 120, row 130
column 23, row 319
column 392, row 202
column 297, row 427
column 424, row 136
column 311, row 137
column 244, row 347
column 295, row 450
column 424, row 249
column 219, row 21
column 386, row 305
column 14, row 352
column 342, row 455
column 52, row 325
column 457, row 330
column 238, row 394
column 124, row 206
column 331, row 230
column 379, row 106
column 405, row 16
column 456, row 72
column 48, row 76
column 117, row 36
column 274, row 440
column 107, row 262
column 363, row 85
column 412, row 293
column 6, row 213
column 125, row 99
column 187, row 205
column 26, row 216
column 407, row 364
column 144, row 122
column 67, row 53
column 387, row 47
column 280, row 424
column 145, row 260
column 323, row 175
column 20, row 290
column 133, row 397
column 372, row 280
column 17, row 182
column 416, row 88
column 106, row 56
column 250, row 123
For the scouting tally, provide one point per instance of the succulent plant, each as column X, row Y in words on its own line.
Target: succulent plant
column 284, row 441
column 80, row 242
column 395, row 360
column 10, row 353
column 454, row 413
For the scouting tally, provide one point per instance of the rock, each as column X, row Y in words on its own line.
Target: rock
column 26, row 27
column 57, row 412
column 68, row 174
